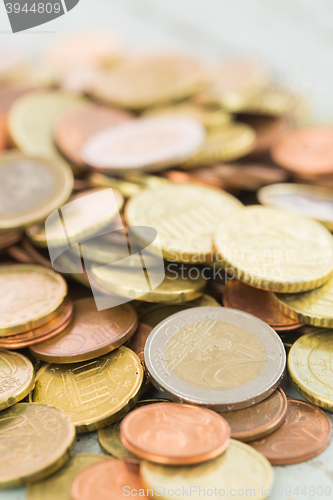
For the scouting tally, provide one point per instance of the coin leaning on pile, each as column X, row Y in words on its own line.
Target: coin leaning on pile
column 152, row 300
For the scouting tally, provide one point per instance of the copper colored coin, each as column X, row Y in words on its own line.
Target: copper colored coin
column 109, row 479
column 258, row 420
column 268, row 129
column 305, row 433
column 91, row 334
column 174, row 433
column 137, row 344
column 8, row 238
column 242, row 297
column 307, row 151
column 80, row 123
column 51, row 329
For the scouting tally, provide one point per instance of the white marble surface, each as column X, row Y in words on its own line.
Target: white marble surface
column 293, row 37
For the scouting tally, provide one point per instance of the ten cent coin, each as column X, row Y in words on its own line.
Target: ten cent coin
column 216, row 357
column 36, row 440
column 17, row 378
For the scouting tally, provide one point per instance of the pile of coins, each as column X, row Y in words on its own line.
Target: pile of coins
column 165, row 244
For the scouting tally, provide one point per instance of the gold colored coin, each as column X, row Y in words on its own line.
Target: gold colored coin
column 36, row 441
column 210, row 118
column 131, row 283
column 224, row 144
column 153, row 314
column 309, row 366
column 29, row 297
column 240, row 468
column 32, row 119
column 145, row 81
column 185, row 217
column 93, row 393
column 272, row 101
column 109, row 437
column 275, row 250
column 313, row 308
column 82, row 219
column 57, row 487
column 31, row 188
column 17, row 378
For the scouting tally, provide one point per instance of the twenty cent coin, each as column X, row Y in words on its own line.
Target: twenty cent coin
column 216, row 357
column 304, row 434
column 175, row 434
column 93, row 393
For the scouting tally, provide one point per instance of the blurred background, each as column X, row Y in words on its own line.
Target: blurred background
column 293, row 38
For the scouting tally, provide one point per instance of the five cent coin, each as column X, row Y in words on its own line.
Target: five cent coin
column 175, row 434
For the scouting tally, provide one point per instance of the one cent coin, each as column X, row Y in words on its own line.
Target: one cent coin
column 17, row 378
column 110, row 478
column 307, row 151
column 93, row 393
column 217, row 357
column 309, row 366
column 258, row 420
column 263, row 249
column 91, row 334
column 175, row 434
column 305, row 433
column 151, row 144
column 260, row 303
column 36, row 441
column 80, row 123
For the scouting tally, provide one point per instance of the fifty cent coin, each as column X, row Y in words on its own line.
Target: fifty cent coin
column 91, row 334
column 216, row 357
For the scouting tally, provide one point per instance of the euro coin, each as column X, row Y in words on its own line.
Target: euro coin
column 150, row 144
column 31, row 188
column 313, row 308
column 220, row 358
column 30, row 297
column 91, row 334
column 309, row 367
column 262, row 248
column 93, row 393
column 17, row 378
column 185, row 217
column 240, row 468
column 36, row 441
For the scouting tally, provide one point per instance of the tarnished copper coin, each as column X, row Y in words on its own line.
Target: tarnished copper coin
column 306, row 151
column 305, row 433
column 112, row 478
column 175, row 434
column 137, row 344
column 80, row 123
column 51, row 329
column 91, row 334
column 258, row 420
column 238, row 295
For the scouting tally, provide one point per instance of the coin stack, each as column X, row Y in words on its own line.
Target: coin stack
column 165, row 243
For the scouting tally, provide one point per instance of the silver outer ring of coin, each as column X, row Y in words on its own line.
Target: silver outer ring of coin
column 247, row 395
